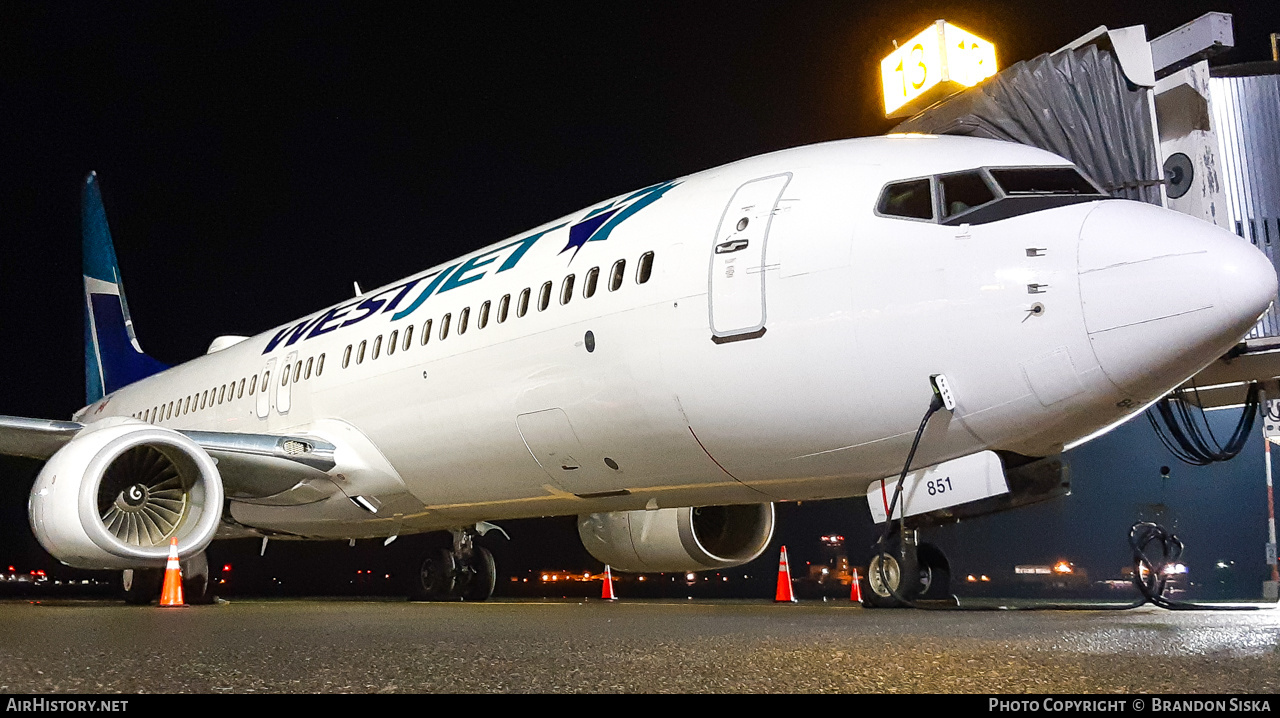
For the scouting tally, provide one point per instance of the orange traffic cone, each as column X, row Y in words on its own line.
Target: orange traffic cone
column 607, row 592
column 171, row 594
column 784, row 580
column 856, row 594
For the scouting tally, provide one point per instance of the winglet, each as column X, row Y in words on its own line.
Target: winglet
column 112, row 356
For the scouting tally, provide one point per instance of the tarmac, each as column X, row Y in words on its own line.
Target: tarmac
column 647, row 646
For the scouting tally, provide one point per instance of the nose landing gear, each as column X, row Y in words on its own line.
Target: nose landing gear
column 906, row 572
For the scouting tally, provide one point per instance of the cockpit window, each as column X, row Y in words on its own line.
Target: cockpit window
column 986, row 194
column 1042, row 181
column 963, row 192
column 907, row 199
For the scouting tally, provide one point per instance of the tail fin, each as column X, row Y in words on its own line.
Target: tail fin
column 112, row 357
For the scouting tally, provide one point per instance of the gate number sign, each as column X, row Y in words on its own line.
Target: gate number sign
column 942, row 56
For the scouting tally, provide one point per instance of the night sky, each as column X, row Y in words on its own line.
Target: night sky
column 255, row 159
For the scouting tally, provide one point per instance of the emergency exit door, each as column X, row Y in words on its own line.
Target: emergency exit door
column 736, row 286
column 263, row 402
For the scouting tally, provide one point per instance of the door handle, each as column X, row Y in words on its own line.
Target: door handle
column 733, row 245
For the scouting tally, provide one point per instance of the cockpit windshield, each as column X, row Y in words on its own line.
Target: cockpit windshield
column 985, row 194
column 1042, row 180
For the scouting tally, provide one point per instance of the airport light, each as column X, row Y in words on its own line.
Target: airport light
column 941, row 60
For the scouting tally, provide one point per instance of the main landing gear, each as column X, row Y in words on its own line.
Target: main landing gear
column 467, row 572
column 905, row 572
column 142, row 585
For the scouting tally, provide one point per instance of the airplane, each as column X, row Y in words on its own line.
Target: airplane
column 666, row 365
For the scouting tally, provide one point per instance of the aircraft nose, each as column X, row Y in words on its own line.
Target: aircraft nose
column 1164, row 294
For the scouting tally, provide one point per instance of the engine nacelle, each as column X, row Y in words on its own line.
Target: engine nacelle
column 117, row 492
column 683, row 539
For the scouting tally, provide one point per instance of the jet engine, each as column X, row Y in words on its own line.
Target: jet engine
column 116, row 494
column 679, row 539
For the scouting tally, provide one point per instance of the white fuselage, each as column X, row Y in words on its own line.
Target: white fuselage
column 517, row 418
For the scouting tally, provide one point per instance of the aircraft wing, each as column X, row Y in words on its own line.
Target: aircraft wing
column 252, row 466
column 35, row 438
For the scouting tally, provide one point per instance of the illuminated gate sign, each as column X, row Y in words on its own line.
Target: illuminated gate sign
column 938, row 62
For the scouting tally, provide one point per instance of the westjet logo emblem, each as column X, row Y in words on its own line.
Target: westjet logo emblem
column 596, row 226
column 601, row 221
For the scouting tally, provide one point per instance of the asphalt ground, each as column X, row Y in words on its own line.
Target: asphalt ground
column 282, row 646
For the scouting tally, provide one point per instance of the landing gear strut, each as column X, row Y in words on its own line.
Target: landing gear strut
column 466, row 572
column 905, row 571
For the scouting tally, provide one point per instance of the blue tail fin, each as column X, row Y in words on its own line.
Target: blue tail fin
column 112, row 357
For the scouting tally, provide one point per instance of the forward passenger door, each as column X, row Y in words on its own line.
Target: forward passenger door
column 736, row 282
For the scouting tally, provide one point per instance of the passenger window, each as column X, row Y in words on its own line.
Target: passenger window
column 240, row 394
column 222, row 393
column 377, row 347
column 320, row 365
column 408, row 337
column 483, row 319
column 544, row 296
column 962, row 192
column 360, row 353
column 168, row 413
column 426, row 332
column 307, row 374
column 297, row 372
column 204, row 399
column 463, row 316
column 589, row 285
column 444, row 326
column 907, row 199
column 566, row 289
column 523, row 306
column 615, row 278
column 346, row 358
column 392, row 341
column 645, row 270
column 503, row 305
column 266, row 380
column 284, row 378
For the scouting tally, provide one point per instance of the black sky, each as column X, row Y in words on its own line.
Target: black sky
column 256, row 158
